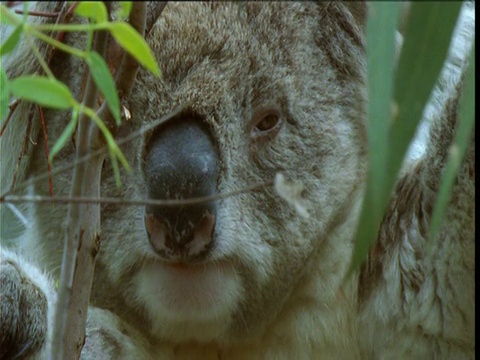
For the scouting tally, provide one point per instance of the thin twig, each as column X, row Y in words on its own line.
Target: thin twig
column 38, row 13
column 133, row 202
column 154, row 10
column 65, row 16
column 10, row 4
column 102, row 151
column 12, row 108
column 47, row 151
column 23, row 150
column 127, row 71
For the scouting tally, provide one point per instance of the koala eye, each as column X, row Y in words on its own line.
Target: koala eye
column 266, row 123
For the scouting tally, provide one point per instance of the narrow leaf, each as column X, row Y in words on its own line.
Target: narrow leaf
column 43, row 91
column 380, row 61
column 4, row 94
column 116, row 171
column 7, row 17
column 428, row 35
column 65, row 136
column 104, row 80
column 135, row 45
column 25, row 12
column 112, row 145
column 458, row 149
column 12, row 40
column 94, row 10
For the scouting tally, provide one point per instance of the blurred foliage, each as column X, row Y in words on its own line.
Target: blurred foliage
column 398, row 95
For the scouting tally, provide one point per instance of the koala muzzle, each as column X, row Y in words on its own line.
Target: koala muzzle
column 181, row 162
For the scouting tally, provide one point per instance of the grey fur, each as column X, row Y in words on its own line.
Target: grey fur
column 280, row 294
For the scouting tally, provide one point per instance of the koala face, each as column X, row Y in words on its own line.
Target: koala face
column 265, row 88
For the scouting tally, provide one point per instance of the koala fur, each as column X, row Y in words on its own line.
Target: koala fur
column 272, row 287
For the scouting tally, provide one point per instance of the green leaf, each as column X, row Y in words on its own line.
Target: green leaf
column 25, row 12
column 104, row 80
column 135, row 45
column 4, row 94
column 43, row 91
column 380, row 61
column 112, row 145
column 94, row 10
column 7, row 17
column 458, row 149
column 114, row 150
column 116, row 170
column 65, row 136
column 428, row 35
column 12, row 40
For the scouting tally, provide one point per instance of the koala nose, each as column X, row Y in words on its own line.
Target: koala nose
column 181, row 162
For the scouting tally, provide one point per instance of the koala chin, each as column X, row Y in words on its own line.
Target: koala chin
column 250, row 93
column 184, row 300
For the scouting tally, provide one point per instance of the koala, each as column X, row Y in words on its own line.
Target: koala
column 264, row 88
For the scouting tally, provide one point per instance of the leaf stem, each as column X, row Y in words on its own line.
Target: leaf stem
column 59, row 45
column 71, row 27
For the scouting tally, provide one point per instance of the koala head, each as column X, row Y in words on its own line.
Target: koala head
column 265, row 88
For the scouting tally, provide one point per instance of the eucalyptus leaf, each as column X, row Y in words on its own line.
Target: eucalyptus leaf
column 104, row 80
column 380, row 61
column 25, row 12
column 135, row 45
column 65, row 136
column 380, row 64
column 112, row 145
column 11, row 41
column 116, row 171
column 42, row 91
column 7, row 17
column 428, row 35
column 94, row 10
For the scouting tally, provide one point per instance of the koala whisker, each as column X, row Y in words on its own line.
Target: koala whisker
column 233, row 234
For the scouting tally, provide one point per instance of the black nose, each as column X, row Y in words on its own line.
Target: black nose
column 181, row 163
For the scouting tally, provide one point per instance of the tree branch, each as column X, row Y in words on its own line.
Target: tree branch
column 154, row 10
column 82, row 239
column 12, row 199
column 126, row 73
column 68, row 336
